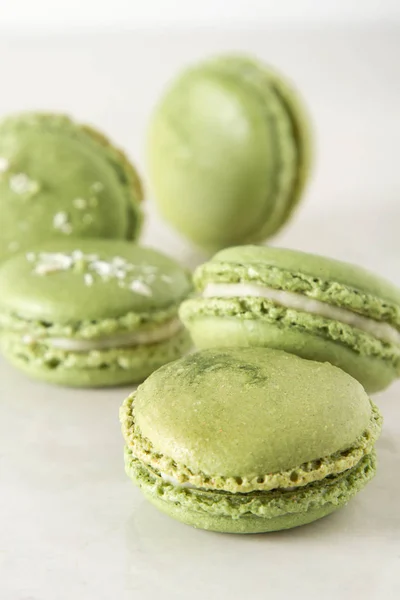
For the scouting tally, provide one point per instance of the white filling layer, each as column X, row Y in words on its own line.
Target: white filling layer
column 382, row 331
column 136, row 338
column 175, row 482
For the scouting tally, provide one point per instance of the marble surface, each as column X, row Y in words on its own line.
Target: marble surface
column 71, row 524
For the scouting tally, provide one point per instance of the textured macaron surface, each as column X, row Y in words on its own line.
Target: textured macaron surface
column 69, row 281
column 226, row 157
column 62, row 179
column 248, row 412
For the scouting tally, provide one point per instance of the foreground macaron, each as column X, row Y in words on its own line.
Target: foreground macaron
column 92, row 312
column 249, row 440
column 60, row 179
column 229, row 152
column 316, row 307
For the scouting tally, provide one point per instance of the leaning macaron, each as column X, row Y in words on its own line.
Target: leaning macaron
column 92, row 312
column 229, row 152
column 315, row 307
column 59, row 178
column 249, row 440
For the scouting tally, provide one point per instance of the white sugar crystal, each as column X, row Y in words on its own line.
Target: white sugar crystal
column 4, row 164
column 102, row 267
column 51, row 262
column 30, row 256
column 120, row 274
column 166, row 278
column 60, row 219
column 97, row 186
column 77, row 255
column 67, row 228
column 79, row 203
column 140, row 288
column 88, row 279
column 45, row 268
column 118, row 261
column 252, row 272
column 22, row 184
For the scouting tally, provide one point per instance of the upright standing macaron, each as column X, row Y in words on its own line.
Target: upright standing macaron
column 249, row 440
column 92, row 312
column 229, row 152
column 316, row 307
column 62, row 179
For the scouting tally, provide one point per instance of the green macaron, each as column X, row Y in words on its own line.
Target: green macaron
column 92, row 312
column 315, row 307
column 229, row 152
column 249, row 440
column 62, row 179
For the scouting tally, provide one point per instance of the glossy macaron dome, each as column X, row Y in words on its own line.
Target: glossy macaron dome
column 249, row 439
column 229, row 152
column 59, row 178
column 92, row 312
column 316, row 307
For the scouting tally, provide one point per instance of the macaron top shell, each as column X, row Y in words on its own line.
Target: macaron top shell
column 223, row 131
column 249, row 411
column 260, row 262
column 70, row 280
column 60, row 179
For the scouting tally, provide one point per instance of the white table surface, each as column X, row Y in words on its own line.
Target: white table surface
column 72, row 526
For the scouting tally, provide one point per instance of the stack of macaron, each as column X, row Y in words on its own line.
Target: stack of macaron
column 268, row 425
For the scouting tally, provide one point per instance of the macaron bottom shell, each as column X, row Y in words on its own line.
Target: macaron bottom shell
column 114, row 367
column 303, row 504
column 249, row 524
column 373, row 371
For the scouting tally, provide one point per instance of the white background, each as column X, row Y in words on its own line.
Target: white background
column 30, row 15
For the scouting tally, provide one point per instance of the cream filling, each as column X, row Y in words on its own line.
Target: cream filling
column 186, row 484
column 382, row 331
column 175, row 482
column 135, row 338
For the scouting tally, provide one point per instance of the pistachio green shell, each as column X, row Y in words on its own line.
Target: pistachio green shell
column 147, row 281
column 61, row 179
column 227, row 159
column 312, row 265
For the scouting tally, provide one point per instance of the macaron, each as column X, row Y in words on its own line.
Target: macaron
column 315, row 307
column 59, row 178
column 229, row 152
column 92, row 312
column 249, row 440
